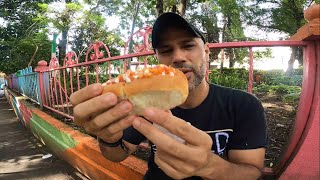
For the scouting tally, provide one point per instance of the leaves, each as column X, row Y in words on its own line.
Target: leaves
column 21, row 34
column 278, row 15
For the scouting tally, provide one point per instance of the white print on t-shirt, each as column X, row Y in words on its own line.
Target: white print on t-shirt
column 221, row 138
column 219, row 148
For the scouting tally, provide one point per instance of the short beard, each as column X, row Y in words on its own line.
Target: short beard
column 198, row 74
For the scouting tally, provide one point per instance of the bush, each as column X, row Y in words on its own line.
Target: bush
column 263, row 88
column 273, row 81
column 285, row 89
column 292, row 98
column 278, row 77
column 234, row 78
column 277, row 89
column 298, row 71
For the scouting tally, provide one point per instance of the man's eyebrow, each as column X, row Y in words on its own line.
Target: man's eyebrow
column 187, row 40
column 183, row 41
column 163, row 46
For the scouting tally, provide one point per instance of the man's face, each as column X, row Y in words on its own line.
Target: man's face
column 179, row 49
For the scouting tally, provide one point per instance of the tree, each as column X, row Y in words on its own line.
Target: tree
column 231, row 28
column 207, row 21
column 21, row 35
column 62, row 19
column 284, row 16
column 91, row 28
column 179, row 7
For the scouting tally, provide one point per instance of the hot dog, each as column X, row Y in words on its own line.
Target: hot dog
column 161, row 86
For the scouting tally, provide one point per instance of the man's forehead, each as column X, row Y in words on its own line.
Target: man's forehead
column 182, row 40
column 176, row 30
column 176, row 34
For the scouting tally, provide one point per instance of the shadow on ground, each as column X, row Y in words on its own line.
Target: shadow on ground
column 21, row 154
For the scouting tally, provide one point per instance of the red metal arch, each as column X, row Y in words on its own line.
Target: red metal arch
column 97, row 55
column 144, row 32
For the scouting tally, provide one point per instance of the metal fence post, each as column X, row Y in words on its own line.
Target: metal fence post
column 42, row 66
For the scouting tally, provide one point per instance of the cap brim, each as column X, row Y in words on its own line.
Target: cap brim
column 167, row 20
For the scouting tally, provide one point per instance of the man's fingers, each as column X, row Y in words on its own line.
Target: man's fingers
column 86, row 93
column 113, row 115
column 84, row 111
column 178, row 127
column 161, row 140
column 167, row 168
column 117, row 126
column 187, row 166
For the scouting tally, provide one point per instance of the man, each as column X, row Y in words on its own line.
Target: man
column 223, row 130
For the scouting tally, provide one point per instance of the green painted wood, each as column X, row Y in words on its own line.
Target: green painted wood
column 51, row 136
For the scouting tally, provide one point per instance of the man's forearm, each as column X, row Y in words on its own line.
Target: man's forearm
column 219, row 168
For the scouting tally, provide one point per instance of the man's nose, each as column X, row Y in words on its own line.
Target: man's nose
column 178, row 56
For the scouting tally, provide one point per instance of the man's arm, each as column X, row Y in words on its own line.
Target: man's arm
column 119, row 153
column 242, row 164
column 194, row 157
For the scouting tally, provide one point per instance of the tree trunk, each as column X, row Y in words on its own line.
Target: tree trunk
column 225, row 21
column 159, row 7
column 222, row 60
column 63, row 45
column 232, row 58
column 63, row 42
column 291, row 61
column 130, row 48
column 133, row 25
column 300, row 56
column 182, row 7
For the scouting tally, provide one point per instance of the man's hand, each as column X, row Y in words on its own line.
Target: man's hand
column 193, row 157
column 101, row 115
column 178, row 160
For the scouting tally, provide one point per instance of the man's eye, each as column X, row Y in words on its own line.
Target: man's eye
column 189, row 46
column 165, row 51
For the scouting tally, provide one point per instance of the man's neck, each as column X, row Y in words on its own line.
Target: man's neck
column 197, row 96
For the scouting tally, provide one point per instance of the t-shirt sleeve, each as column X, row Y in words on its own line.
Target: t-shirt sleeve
column 133, row 136
column 250, row 129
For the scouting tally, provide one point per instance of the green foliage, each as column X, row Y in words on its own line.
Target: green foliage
column 260, row 54
column 20, row 35
column 152, row 60
column 281, row 15
column 287, row 94
column 292, row 98
column 278, row 77
column 91, row 28
column 145, row 16
column 60, row 17
column 284, row 89
column 234, row 78
column 298, row 71
column 207, row 20
column 277, row 89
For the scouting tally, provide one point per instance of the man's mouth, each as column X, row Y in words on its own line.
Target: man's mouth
column 187, row 72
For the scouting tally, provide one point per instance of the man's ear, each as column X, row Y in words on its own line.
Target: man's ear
column 206, row 46
column 207, row 50
column 156, row 56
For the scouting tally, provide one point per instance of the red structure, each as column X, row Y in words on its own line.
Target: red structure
column 302, row 158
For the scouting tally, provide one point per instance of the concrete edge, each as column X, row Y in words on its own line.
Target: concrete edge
column 86, row 155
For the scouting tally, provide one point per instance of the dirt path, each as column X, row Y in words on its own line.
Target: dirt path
column 22, row 155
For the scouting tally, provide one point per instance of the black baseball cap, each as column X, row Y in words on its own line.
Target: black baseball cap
column 169, row 19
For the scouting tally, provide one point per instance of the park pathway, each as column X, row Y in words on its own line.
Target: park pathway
column 22, row 156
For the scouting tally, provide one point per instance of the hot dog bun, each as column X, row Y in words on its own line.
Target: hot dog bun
column 161, row 87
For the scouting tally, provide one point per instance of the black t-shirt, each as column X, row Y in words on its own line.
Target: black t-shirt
column 234, row 119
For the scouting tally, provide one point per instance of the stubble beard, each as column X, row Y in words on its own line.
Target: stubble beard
column 198, row 74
